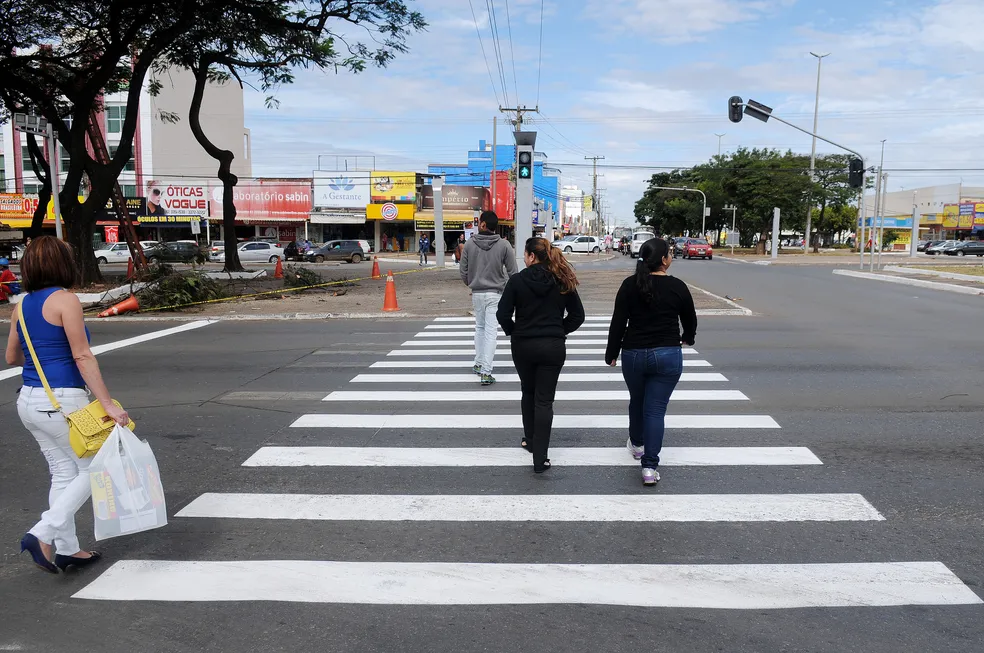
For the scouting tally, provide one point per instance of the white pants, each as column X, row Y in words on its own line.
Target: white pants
column 70, row 487
column 486, row 328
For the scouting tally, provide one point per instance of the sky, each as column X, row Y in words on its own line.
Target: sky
column 645, row 84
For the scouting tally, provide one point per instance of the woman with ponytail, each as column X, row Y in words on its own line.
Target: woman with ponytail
column 650, row 308
column 547, row 307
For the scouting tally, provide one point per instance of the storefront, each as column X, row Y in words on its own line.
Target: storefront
column 392, row 210
column 337, row 225
column 266, row 208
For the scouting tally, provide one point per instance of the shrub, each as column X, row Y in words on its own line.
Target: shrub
column 177, row 289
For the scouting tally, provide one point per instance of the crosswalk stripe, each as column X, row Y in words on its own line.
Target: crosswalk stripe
column 517, row 457
column 486, row 396
column 467, row 364
column 655, row 508
column 589, row 318
column 603, row 377
column 500, row 421
column 502, row 348
column 471, row 334
column 707, row 586
column 471, row 342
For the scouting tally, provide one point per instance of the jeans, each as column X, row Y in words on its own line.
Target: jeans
column 486, row 328
column 538, row 362
column 423, row 257
column 69, row 474
column 651, row 375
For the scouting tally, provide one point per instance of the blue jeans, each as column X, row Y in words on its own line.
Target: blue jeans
column 651, row 375
column 485, row 304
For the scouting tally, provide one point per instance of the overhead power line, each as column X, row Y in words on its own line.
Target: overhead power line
column 512, row 54
column 497, row 46
column 484, row 56
column 539, row 62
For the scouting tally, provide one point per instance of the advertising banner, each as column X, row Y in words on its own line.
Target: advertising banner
column 951, row 216
column 425, row 222
column 166, row 198
column 390, row 212
column 272, row 199
column 931, row 219
column 978, row 215
column 505, row 197
column 112, row 234
column 15, row 206
column 397, row 187
column 167, row 219
column 457, row 198
column 341, row 190
column 135, row 207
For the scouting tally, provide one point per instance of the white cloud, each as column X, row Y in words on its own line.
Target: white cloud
column 681, row 21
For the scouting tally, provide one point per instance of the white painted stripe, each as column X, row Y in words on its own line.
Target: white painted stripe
column 721, row 587
column 468, row 347
column 603, row 377
column 499, row 421
column 589, row 318
column 471, row 334
column 655, row 508
column 120, row 344
column 517, row 457
column 486, row 396
column 467, row 364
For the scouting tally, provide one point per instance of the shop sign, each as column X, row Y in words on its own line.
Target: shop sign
column 272, row 199
column 17, row 206
column 112, row 234
column 167, row 219
column 341, row 190
column 454, row 222
column 890, row 223
column 979, row 215
column 931, row 219
column 395, row 211
column 338, row 217
column 176, row 199
column 135, row 207
column 389, row 186
column 457, row 198
column 505, row 197
column 951, row 216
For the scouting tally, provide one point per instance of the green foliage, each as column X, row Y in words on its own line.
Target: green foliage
column 171, row 289
column 300, row 277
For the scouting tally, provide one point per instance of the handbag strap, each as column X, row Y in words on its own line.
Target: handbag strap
column 34, row 356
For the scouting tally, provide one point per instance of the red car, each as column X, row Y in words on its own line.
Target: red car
column 698, row 247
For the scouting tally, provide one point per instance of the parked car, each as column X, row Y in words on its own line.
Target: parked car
column 337, row 250
column 583, row 244
column 149, row 243
column 181, row 252
column 217, row 247
column 638, row 238
column 366, row 246
column 680, row 246
column 560, row 244
column 938, row 248
column 698, row 248
column 113, row 253
column 966, row 248
column 255, row 251
column 17, row 252
column 921, row 245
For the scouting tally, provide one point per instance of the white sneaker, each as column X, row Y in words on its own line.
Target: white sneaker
column 634, row 450
column 649, row 476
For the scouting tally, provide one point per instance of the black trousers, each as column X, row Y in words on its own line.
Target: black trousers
column 538, row 362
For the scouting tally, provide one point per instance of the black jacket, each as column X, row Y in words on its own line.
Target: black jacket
column 540, row 307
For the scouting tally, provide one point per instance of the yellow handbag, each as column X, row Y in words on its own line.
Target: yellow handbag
column 88, row 427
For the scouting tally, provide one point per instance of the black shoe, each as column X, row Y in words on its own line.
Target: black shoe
column 542, row 468
column 64, row 562
column 526, row 445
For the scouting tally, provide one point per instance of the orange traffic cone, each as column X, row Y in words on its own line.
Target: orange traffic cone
column 375, row 268
column 389, row 301
column 128, row 305
column 129, row 269
column 278, row 272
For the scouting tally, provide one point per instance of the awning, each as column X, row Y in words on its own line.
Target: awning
column 271, row 220
column 338, row 218
column 16, row 223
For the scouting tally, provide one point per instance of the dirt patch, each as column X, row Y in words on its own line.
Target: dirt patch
column 975, row 270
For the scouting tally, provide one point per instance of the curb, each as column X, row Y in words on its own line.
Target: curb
column 919, row 283
column 936, row 273
column 728, row 259
column 737, row 310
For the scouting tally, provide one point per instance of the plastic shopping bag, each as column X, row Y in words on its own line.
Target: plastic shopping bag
column 127, row 495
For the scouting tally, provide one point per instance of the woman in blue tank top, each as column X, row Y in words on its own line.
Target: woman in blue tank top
column 61, row 341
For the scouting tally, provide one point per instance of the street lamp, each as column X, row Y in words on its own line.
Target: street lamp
column 703, row 225
column 720, row 136
column 734, row 211
column 813, row 151
column 39, row 126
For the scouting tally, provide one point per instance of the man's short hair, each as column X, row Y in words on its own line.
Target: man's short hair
column 490, row 219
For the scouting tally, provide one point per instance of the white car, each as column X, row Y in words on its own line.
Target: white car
column 113, row 253
column 255, row 252
column 584, row 244
column 638, row 239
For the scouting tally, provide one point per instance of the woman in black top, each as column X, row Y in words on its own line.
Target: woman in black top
column 540, row 295
column 649, row 309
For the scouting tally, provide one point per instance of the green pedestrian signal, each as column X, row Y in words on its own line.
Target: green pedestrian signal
column 525, row 165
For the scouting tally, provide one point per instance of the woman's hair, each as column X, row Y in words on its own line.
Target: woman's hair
column 563, row 272
column 651, row 256
column 48, row 263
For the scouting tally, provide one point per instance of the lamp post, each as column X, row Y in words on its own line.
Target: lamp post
column 734, row 212
column 39, row 126
column 720, row 136
column 813, row 151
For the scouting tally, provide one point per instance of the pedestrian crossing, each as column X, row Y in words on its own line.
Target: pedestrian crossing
column 423, row 389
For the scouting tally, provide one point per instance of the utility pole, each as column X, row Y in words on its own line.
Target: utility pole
column 813, row 152
column 594, row 183
column 520, row 112
column 720, row 136
column 878, row 207
column 495, row 122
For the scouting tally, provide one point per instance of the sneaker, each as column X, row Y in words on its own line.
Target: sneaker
column 649, row 476
column 634, row 450
column 488, row 379
column 477, row 369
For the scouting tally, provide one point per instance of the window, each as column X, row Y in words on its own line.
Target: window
column 32, row 189
column 63, row 159
column 26, row 159
column 114, row 119
column 120, row 247
column 129, row 190
column 129, row 167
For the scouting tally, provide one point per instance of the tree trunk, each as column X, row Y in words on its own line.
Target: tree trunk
column 79, row 229
column 819, row 225
column 225, row 159
column 43, row 172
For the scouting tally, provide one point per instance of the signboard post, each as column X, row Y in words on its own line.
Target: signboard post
column 775, row 233
column 438, row 243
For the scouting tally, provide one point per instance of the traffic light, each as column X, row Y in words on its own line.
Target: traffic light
column 734, row 109
column 525, row 170
column 856, row 176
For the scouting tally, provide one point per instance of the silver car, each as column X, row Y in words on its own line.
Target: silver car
column 255, row 252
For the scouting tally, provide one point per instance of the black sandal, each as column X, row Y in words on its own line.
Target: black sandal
column 526, row 445
column 542, row 468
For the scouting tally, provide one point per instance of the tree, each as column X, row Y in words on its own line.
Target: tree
column 271, row 40
column 43, row 172
column 58, row 59
column 830, row 190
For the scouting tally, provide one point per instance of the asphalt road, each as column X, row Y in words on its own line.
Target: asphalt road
column 879, row 382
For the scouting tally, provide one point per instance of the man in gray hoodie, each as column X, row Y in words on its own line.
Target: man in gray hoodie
column 487, row 262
